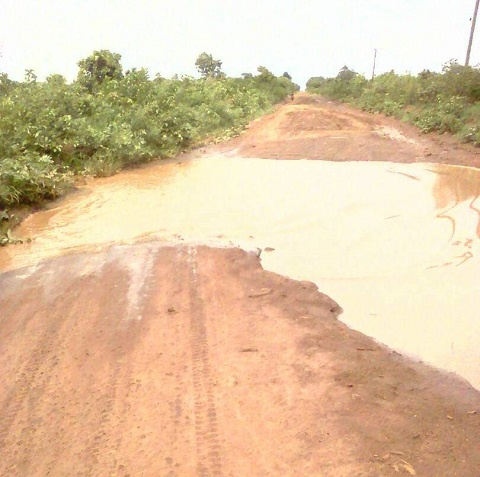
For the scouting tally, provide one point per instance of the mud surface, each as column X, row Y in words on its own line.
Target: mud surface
column 163, row 357
column 150, row 360
column 315, row 128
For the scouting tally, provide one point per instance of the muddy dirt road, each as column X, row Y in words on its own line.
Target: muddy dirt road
column 315, row 128
column 128, row 348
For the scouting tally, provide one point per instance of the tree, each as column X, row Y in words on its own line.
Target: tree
column 315, row 82
column 56, row 80
column 346, row 74
column 287, row 75
column 30, row 76
column 208, row 67
column 5, row 83
column 426, row 74
column 98, row 67
column 265, row 75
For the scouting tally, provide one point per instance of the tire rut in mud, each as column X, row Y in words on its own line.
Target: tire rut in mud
column 209, row 458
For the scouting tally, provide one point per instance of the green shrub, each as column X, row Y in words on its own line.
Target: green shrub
column 108, row 119
column 443, row 116
column 30, row 179
column 442, row 102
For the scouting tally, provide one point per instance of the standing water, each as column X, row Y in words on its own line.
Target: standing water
column 395, row 245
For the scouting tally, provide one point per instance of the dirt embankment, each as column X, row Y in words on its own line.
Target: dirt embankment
column 150, row 360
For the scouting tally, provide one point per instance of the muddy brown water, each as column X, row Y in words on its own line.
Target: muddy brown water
column 396, row 245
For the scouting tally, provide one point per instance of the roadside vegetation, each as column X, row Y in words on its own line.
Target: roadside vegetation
column 443, row 102
column 108, row 119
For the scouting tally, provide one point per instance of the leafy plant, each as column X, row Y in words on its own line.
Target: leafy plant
column 442, row 102
column 108, row 119
column 31, row 179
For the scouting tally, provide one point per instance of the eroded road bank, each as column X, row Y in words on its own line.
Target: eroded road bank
column 166, row 358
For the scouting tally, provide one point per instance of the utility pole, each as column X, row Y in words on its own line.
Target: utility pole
column 375, row 60
column 472, row 31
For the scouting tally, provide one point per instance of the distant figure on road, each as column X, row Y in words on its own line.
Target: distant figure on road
column 292, row 96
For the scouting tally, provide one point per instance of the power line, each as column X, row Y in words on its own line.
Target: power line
column 472, row 31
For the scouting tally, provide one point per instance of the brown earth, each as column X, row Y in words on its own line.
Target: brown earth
column 314, row 128
column 195, row 361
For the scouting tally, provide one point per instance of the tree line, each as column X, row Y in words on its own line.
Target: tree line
column 109, row 118
column 448, row 101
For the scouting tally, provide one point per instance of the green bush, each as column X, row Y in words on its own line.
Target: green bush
column 442, row 102
column 108, row 119
column 30, row 179
column 443, row 116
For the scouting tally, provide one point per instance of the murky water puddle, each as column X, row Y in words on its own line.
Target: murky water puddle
column 396, row 245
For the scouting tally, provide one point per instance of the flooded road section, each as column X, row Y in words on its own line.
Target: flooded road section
column 396, row 245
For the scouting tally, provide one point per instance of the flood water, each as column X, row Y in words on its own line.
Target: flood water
column 396, row 245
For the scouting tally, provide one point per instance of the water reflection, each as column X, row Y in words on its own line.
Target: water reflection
column 455, row 185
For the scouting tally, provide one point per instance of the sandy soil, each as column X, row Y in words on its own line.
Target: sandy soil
column 150, row 360
column 314, row 128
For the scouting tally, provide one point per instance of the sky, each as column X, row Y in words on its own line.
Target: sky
column 303, row 37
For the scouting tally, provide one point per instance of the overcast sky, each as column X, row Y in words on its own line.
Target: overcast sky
column 304, row 37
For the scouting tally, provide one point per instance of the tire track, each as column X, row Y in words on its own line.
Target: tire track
column 38, row 372
column 98, row 442
column 176, row 331
column 120, row 372
column 30, row 374
column 209, row 453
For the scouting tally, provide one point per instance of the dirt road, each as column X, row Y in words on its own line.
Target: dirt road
column 314, row 128
column 183, row 360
